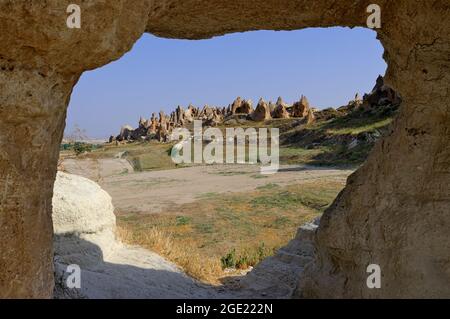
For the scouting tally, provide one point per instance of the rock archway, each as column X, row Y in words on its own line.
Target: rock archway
column 394, row 211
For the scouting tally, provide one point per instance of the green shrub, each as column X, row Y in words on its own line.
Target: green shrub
column 183, row 220
column 229, row 260
column 248, row 258
column 80, row 148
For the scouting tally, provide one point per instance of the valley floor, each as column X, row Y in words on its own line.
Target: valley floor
column 207, row 218
column 157, row 191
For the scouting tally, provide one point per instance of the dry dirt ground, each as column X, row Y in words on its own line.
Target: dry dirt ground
column 153, row 191
column 133, row 272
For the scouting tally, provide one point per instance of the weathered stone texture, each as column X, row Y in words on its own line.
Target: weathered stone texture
column 394, row 210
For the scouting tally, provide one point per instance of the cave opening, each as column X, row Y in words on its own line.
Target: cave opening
column 220, row 222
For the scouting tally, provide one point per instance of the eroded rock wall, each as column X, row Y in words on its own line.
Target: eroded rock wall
column 40, row 62
column 32, row 116
column 394, row 210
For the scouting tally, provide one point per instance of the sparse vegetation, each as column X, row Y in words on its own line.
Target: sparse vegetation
column 341, row 141
column 238, row 230
column 247, row 258
column 235, row 230
column 80, row 148
column 323, row 143
column 186, row 256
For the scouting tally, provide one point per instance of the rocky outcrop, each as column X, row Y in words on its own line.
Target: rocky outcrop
column 301, row 108
column 262, row 112
column 381, row 95
column 278, row 276
column 245, row 108
column 271, row 107
column 310, row 117
column 329, row 113
column 81, row 210
column 84, row 224
column 126, row 133
column 207, row 113
column 393, row 211
column 189, row 114
column 280, row 111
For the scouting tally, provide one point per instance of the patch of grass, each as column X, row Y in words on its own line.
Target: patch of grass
column 144, row 156
column 156, row 159
column 186, row 256
column 292, row 154
column 230, row 173
column 280, row 222
column 268, row 186
column 204, row 228
column 259, row 176
column 183, row 220
column 360, row 128
column 206, row 195
column 327, row 142
column 124, row 172
column 283, row 200
column 247, row 258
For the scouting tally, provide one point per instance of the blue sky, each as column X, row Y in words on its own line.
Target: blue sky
column 327, row 65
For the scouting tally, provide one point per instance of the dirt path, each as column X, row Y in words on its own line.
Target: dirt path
column 154, row 191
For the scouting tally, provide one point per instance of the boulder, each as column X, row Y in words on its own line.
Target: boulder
column 82, row 213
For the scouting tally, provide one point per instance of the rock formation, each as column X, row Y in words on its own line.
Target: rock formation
column 245, row 108
column 310, row 117
column 393, row 211
column 189, row 114
column 301, row 108
column 381, row 95
column 125, row 133
column 280, row 111
column 236, row 105
column 179, row 120
column 84, row 224
column 271, row 107
column 153, row 124
column 207, row 113
column 81, row 209
column 261, row 113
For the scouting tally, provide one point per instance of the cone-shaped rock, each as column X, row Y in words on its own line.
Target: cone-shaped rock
column 262, row 112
